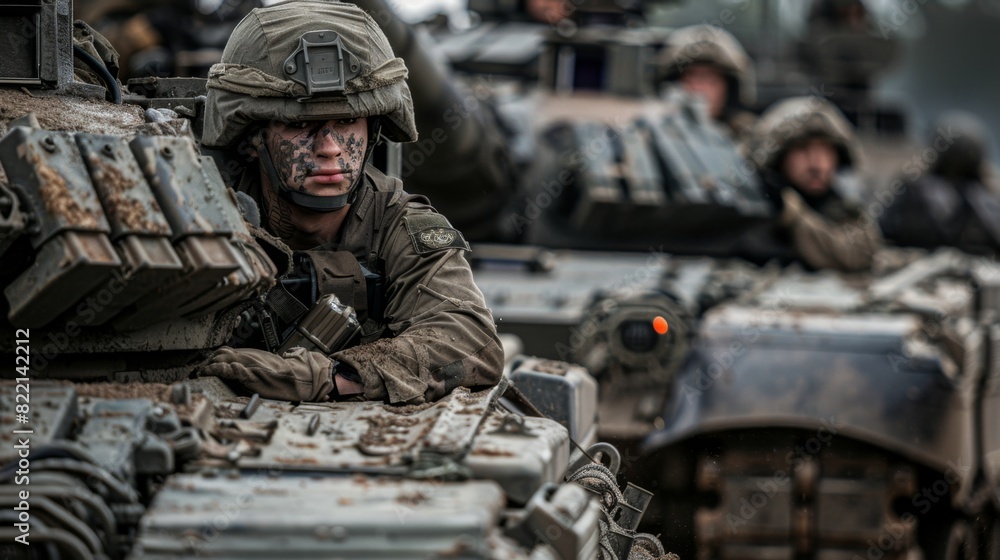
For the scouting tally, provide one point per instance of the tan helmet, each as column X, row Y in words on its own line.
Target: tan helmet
column 796, row 119
column 307, row 60
column 709, row 44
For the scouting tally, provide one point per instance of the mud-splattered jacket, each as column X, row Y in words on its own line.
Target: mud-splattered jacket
column 838, row 236
column 432, row 331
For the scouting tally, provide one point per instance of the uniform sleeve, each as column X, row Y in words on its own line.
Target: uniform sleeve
column 444, row 336
column 825, row 244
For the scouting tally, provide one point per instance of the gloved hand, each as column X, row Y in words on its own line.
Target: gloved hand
column 793, row 207
column 297, row 375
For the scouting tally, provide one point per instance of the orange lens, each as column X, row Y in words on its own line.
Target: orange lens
column 660, row 325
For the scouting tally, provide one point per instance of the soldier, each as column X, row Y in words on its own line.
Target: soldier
column 799, row 145
column 308, row 88
column 708, row 61
column 955, row 202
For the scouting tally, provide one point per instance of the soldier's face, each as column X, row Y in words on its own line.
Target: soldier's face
column 321, row 158
column 707, row 82
column 810, row 166
column 548, row 11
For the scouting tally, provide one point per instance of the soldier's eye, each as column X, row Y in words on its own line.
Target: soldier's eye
column 293, row 125
column 347, row 121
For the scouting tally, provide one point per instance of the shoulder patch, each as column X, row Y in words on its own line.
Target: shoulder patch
column 432, row 232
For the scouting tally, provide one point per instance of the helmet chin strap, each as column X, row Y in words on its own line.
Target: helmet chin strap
column 313, row 202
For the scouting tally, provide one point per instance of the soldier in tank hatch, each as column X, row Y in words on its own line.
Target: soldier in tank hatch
column 803, row 148
column 709, row 62
column 948, row 196
column 307, row 88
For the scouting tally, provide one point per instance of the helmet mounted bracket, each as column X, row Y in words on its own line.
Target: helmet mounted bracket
column 321, row 64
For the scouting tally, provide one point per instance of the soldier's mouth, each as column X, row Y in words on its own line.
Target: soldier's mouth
column 328, row 176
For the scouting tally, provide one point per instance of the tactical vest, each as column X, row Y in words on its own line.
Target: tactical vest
column 352, row 268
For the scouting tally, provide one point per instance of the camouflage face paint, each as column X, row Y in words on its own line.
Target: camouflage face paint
column 321, row 158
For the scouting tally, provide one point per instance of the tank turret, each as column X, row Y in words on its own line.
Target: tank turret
column 598, row 159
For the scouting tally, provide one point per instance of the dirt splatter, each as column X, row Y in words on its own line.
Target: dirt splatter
column 413, row 498
column 154, row 391
column 385, row 431
column 58, row 198
column 552, row 367
column 408, row 409
column 119, row 195
column 157, row 392
column 492, row 452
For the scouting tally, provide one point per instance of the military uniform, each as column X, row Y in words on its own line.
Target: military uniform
column 399, row 263
column 828, row 232
column 442, row 334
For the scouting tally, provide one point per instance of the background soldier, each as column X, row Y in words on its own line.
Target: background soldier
column 955, row 202
column 709, row 62
column 799, row 145
column 282, row 96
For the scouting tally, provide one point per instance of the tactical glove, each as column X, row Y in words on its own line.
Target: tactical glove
column 793, row 207
column 297, row 375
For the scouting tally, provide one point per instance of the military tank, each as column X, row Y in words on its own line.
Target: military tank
column 777, row 412
column 125, row 261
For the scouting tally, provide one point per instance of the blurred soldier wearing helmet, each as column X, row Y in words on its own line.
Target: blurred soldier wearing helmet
column 709, row 62
column 307, row 88
column 947, row 197
column 799, row 145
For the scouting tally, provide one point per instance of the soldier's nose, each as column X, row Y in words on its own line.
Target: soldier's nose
column 326, row 143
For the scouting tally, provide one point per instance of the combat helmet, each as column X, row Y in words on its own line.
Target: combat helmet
column 709, row 44
column 796, row 119
column 307, row 60
column 961, row 143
